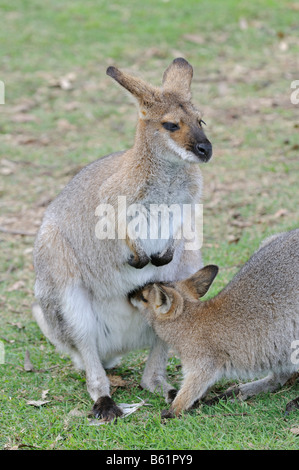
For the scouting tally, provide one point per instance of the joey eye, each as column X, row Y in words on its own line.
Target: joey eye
column 201, row 121
column 143, row 298
column 170, row 126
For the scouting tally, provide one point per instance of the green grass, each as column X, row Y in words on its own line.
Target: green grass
column 244, row 56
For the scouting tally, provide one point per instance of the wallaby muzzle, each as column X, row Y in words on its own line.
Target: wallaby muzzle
column 203, row 150
column 200, row 144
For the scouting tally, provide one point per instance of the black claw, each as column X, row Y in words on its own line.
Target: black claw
column 106, row 409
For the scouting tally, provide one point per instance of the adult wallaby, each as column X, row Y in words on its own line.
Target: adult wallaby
column 83, row 278
column 247, row 330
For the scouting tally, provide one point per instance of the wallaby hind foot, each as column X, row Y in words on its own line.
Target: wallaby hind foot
column 106, row 409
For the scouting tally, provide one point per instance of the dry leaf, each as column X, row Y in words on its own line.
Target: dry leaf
column 59, row 398
column 58, row 438
column 295, row 430
column 8, row 164
column 243, row 24
column 17, row 324
column 280, row 34
column 65, row 125
column 16, row 286
column 27, row 140
column 19, row 446
column 71, row 106
column 195, row 38
column 45, row 393
column 24, row 107
column 65, row 83
column 233, row 239
column 6, row 171
column 76, row 413
column 293, row 6
column 9, row 447
column 37, row 403
column 116, row 381
column 280, row 213
column 283, row 46
column 23, row 118
column 240, row 223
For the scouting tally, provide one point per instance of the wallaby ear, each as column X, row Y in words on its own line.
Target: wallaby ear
column 143, row 92
column 198, row 285
column 163, row 301
column 177, row 78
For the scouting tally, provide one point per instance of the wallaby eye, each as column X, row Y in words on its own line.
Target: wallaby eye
column 170, row 126
column 201, row 121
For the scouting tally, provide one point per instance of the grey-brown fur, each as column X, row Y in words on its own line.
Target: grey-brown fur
column 82, row 282
column 247, row 330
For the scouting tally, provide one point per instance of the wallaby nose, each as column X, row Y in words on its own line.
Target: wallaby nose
column 204, row 151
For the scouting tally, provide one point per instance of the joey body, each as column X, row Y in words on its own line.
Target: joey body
column 246, row 331
column 82, row 282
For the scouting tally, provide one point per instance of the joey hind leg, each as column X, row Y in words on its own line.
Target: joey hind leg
column 271, row 383
column 154, row 375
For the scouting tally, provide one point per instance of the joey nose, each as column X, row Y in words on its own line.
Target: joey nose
column 203, row 150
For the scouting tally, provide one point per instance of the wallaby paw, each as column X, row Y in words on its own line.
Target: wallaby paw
column 138, row 262
column 159, row 259
column 106, row 409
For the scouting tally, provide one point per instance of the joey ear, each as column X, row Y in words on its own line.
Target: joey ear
column 163, row 301
column 177, row 78
column 143, row 92
column 198, row 285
